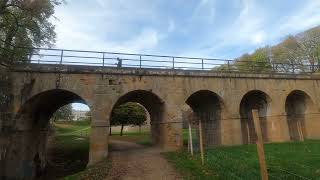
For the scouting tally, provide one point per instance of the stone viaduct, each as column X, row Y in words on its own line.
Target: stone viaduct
column 288, row 106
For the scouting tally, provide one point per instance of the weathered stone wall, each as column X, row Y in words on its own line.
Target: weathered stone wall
column 5, row 98
column 164, row 93
column 5, row 113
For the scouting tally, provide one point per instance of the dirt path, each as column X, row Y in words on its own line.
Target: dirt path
column 131, row 161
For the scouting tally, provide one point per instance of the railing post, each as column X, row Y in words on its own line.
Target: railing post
column 61, row 57
column 202, row 63
column 140, row 65
column 293, row 68
column 272, row 65
column 173, row 62
column 103, row 59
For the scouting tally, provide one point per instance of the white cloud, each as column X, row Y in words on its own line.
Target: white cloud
column 258, row 37
column 246, row 29
column 147, row 39
column 107, row 30
column 307, row 17
column 205, row 11
column 144, row 26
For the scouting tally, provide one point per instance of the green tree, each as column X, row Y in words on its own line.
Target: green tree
column 309, row 43
column 140, row 116
column 63, row 113
column 258, row 61
column 299, row 53
column 25, row 23
column 128, row 114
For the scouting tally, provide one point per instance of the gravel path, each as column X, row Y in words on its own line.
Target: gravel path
column 131, row 161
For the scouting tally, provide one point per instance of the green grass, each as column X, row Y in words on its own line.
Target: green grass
column 69, row 148
column 295, row 160
column 142, row 138
column 72, row 128
column 185, row 136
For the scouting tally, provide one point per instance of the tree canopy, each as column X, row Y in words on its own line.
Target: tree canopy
column 299, row 53
column 64, row 113
column 128, row 114
column 25, row 23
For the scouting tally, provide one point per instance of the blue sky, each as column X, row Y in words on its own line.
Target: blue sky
column 201, row 28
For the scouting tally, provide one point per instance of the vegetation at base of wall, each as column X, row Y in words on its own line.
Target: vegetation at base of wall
column 68, row 148
column 292, row 160
column 98, row 172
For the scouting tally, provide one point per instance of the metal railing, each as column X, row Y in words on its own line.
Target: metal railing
column 130, row 60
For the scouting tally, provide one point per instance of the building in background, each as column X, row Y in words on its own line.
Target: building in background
column 79, row 115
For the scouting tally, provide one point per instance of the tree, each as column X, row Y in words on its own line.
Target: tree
column 63, row 113
column 299, row 53
column 140, row 116
column 128, row 114
column 258, row 61
column 309, row 43
column 25, row 24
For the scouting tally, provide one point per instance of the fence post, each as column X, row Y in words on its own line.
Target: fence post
column 293, row 68
column 201, row 142
column 190, row 139
column 260, row 149
column 300, row 131
column 272, row 65
column 173, row 62
column 103, row 59
column 202, row 63
column 61, row 57
column 140, row 62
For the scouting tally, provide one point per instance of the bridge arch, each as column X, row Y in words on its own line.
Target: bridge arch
column 154, row 106
column 298, row 104
column 43, row 105
column 208, row 107
column 31, row 128
column 254, row 99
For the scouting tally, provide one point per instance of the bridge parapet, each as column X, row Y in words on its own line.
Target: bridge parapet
column 148, row 61
column 80, row 69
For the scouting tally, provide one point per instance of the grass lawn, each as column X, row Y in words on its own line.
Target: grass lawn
column 294, row 160
column 68, row 153
column 142, row 138
column 70, row 147
column 72, row 128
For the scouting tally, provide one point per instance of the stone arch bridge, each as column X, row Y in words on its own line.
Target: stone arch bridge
column 288, row 105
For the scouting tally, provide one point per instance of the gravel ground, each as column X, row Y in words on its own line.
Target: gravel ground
column 131, row 161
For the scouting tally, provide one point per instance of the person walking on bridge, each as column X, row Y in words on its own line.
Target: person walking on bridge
column 119, row 64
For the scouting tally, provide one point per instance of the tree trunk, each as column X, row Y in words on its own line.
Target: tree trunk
column 139, row 129
column 121, row 130
column 110, row 133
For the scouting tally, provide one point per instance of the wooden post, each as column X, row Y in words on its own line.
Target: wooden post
column 190, row 139
column 262, row 160
column 248, row 133
column 201, row 142
column 300, row 131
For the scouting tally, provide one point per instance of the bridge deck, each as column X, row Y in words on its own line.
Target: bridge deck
column 80, row 69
